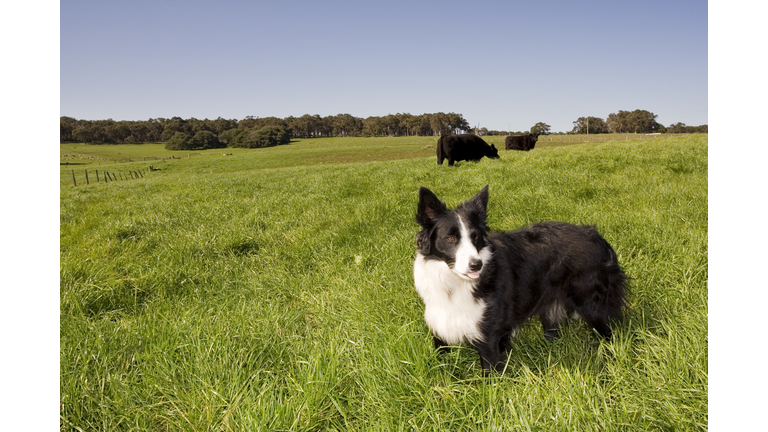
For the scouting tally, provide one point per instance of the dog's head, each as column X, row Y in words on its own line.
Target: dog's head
column 457, row 237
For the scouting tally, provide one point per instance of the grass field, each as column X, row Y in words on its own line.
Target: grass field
column 272, row 290
column 312, row 151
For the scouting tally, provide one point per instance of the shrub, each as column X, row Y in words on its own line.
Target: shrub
column 267, row 136
column 179, row 141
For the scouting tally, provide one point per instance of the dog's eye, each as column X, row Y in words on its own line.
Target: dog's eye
column 451, row 239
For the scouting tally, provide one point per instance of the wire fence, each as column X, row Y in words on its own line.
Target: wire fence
column 84, row 178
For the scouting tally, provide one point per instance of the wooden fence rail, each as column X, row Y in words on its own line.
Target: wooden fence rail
column 113, row 176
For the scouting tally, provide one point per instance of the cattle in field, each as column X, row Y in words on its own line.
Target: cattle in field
column 521, row 142
column 464, row 147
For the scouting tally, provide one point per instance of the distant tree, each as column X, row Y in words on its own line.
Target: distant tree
column 205, row 140
column 67, row 126
column 372, row 126
column 220, row 125
column 179, row 141
column 618, row 122
column 249, row 122
column 411, row 124
column 457, row 123
column 540, row 128
column 277, row 134
column 346, row 125
column 154, row 130
column 117, row 132
column 390, row 125
column 440, row 123
column 637, row 121
column 229, row 136
column 677, row 128
column 404, row 124
column 83, row 134
column 596, row 125
column 270, row 121
column 308, row 126
column 267, row 136
column 173, row 125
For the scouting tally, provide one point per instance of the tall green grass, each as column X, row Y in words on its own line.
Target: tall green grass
column 246, row 294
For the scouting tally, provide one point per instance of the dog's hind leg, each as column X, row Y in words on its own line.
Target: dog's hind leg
column 599, row 323
column 551, row 319
column 602, row 298
column 598, row 316
column 551, row 328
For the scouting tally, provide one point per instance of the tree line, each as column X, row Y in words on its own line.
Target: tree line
column 252, row 132
column 193, row 133
column 637, row 121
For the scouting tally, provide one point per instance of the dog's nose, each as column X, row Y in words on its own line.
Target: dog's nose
column 475, row 265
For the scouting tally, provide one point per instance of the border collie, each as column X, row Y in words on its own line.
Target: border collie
column 480, row 288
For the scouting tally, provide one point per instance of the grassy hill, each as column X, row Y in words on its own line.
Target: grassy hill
column 272, row 290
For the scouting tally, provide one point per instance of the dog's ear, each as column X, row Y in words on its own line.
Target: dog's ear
column 430, row 207
column 479, row 204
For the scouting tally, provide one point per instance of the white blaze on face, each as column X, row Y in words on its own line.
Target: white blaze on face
column 465, row 253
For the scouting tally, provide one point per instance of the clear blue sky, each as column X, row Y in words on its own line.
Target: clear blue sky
column 502, row 64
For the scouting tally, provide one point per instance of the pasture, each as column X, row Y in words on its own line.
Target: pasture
column 272, row 290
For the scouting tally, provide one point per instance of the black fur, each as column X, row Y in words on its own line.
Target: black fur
column 549, row 269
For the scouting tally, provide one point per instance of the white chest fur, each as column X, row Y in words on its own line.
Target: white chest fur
column 451, row 311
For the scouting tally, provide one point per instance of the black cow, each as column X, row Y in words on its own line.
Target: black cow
column 464, row 147
column 521, row 142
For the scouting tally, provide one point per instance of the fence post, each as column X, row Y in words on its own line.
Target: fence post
column 73, row 178
column 86, row 178
column 97, row 176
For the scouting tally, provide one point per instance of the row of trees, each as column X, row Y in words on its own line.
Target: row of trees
column 637, row 121
column 197, row 133
column 539, row 128
column 266, row 136
column 185, row 134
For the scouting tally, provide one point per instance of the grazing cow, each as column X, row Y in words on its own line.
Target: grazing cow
column 464, row 147
column 521, row 142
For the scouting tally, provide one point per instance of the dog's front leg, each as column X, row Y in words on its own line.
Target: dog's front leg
column 491, row 357
column 440, row 345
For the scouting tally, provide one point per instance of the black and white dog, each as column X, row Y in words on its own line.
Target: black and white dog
column 480, row 288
